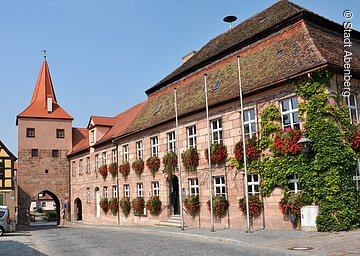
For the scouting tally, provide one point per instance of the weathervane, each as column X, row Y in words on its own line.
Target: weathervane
column 44, row 51
column 230, row 19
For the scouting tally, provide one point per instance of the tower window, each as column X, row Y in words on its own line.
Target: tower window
column 34, row 152
column 60, row 133
column 30, row 132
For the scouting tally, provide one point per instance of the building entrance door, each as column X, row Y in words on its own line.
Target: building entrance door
column 98, row 204
column 175, row 195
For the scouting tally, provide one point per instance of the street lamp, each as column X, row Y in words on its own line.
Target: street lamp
column 305, row 144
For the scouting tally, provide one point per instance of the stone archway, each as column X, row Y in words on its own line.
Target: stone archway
column 78, row 209
column 56, row 202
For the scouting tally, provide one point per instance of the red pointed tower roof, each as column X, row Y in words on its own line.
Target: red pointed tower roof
column 43, row 96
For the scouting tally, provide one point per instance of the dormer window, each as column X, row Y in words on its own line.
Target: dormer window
column 49, row 105
column 92, row 136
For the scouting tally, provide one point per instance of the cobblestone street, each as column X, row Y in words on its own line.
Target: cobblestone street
column 93, row 240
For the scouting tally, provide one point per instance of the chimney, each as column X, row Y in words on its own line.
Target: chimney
column 187, row 56
column 49, row 105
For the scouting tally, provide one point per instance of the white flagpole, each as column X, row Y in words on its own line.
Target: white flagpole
column 179, row 162
column 209, row 155
column 244, row 150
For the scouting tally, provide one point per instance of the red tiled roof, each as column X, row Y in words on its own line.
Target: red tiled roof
column 80, row 139
column 122, row 121
column 101, row 121
column 38, row 104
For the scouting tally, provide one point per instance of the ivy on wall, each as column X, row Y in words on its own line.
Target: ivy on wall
column 326, row 174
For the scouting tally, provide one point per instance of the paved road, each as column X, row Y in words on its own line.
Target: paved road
column 91, row 240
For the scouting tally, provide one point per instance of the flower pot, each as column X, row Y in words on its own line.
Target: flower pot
column 293, row 220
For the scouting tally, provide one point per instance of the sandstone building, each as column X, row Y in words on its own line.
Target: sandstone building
column 275, row 46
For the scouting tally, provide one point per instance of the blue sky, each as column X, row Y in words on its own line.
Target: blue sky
column 104, row 54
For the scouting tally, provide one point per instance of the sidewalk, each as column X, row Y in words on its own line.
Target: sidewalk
column 319, row 243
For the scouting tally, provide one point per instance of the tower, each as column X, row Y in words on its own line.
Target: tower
column 44, row 140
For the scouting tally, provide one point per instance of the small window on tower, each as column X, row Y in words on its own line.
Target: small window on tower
column 55, row 153
column 34, row 152
column 30, row 132
column 60, row 133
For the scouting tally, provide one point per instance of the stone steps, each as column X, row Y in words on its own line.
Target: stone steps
column 174, row 221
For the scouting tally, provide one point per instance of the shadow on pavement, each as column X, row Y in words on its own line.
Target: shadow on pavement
column 12, row 248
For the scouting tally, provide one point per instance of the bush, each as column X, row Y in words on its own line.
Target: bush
column 124, row 169
column 192, row 205
column 220, row 206
column 252, row 151
column 170, row 161
column 153, row 163
column 103, row 171
column 218, row 154
column 113, row 169
column 114, row 206
column 104, row 204
column 138, row 166
column 153, row 205
column 190, row 160
column 255, row 206
column 125, row 206
column 138, row 205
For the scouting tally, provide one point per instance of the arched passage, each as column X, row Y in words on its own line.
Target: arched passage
column 78, row 209
column 45, row 207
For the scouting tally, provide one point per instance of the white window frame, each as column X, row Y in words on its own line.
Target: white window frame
column 154, row 146
column 352, row 108
column 106, row 191
column 88, row 165
column 104, row 158
column 74, row 168
column 140, row 189
column 88, row 195
column 80, row 167
column 171, row 141
column 96, row 162
column 289, row 112
column 139, row 149
column 249, row 122
column 114, row 156
column 127, row 190
column 155, row 188
column 297, row 185
column 126, row 153
column 191, row 133
column 194, row 187
column 114, row 191
column 220, row 183
column 92, row 136
column 216, row 128
column 252, row 184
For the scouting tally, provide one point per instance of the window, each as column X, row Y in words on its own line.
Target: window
column 290, row 113
column 126, row 190
column 115, row 191
column 88, row 165
column 140, row 190
column 154, row 146
column 139, row 150
column 60, row 133
column 55, row 153
column 351, row 104
column 216, row 131
column 126, row 153
column 34, row 152
column 194, row 187
column 43, row 204
column 219, row 183
column 294, row 184
column 155, row 188
column 249, row 123
column 104, row 158
column 80, row 167
column 74, row 168
column 88, row 198
column 253, row 184
column 171, row 142
column 106, row 192
column 191, row 133
column 30, row 132
column 114, row 156
column 96, row 162
column 92, row 136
